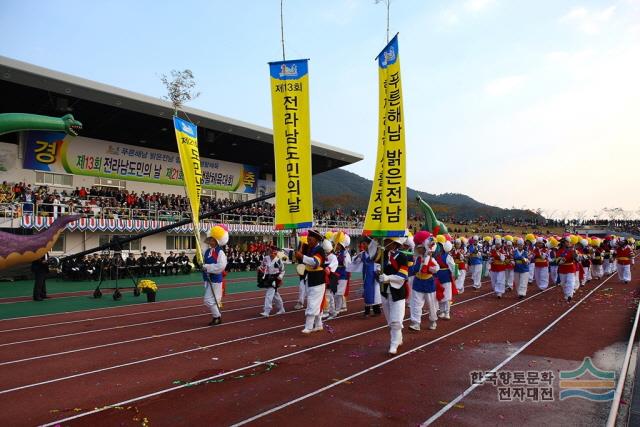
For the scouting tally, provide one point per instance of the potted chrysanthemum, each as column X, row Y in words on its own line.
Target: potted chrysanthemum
column 149, row 287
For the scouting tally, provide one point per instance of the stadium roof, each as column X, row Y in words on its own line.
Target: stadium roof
column 118, row 115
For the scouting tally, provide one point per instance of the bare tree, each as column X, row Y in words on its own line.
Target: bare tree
column 180, row 87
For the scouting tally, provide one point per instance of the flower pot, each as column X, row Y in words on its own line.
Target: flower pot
column 151, row 297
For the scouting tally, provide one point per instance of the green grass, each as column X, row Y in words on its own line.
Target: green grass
column 85, row 302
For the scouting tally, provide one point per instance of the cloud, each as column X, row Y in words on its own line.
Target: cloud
column 477, row 5
column 504, row 85
column 449, row 17
column 589, row 21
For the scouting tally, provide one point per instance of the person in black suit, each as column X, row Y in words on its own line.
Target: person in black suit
column 40, row 269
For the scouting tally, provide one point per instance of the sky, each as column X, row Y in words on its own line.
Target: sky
column 528, row 104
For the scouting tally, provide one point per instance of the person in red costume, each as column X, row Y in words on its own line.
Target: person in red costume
column 624, row 259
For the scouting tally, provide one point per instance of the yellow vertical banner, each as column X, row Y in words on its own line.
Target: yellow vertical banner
column 292, row 143
column 187, row 137
column 387, row 209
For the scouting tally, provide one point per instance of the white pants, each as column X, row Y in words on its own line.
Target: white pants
column 567, row 282
column 313, row 313
column 475, row 270
column 597, row 271
column 302, row 291
column 553, row 274
column 576, row 280
column 444, row 303
column 485, row 266
column 508, row 278
column 340, row 300
column 541, row 275
column 532, row 273
column 330, row 307
column 394, row 313
column 624, row 272
column 497, row 281
column 521, row 281
column 418, row 300
column 587, row 274
column 270, row 297
column 462, row 274
column 210, row 301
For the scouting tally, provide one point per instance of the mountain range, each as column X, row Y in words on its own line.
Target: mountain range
column 342, row 189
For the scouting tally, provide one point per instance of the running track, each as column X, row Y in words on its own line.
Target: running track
column 159, row 363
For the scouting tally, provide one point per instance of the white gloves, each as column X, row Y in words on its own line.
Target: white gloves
column 501, row 257
column 208, row 268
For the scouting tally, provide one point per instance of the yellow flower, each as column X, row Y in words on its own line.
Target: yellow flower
column 147, row 285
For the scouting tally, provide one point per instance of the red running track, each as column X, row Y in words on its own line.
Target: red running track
column 350, row 347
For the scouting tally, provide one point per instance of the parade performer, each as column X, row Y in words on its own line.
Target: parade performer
column 586, row 260
column 475, row 261
column 486, row 255
column 393, row 282
column 530, row 243
column 575, row 241
column 624, row 258
column 521, row 268
column 368, row 261
column 541, row 260
column 566, row 267
column 342, row 241
column 498, row 267
column 272, row 271
column 302, row 274
column 597, row 270
column 312, row 256
column 424, row 285
column 508, row 263
column 331, row 277
column 553, row 260
column 444, row 288
column 215, row 263
column 459, row 257
column 606, row 255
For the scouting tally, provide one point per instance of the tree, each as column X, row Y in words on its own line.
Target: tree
column 180, row 88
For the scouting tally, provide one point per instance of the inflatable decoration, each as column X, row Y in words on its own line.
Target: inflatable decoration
column 15, row 122
column 431, row 223
column 19, row 249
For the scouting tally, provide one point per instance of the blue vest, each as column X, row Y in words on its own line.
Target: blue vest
column 475, row 257
column 421, row 285
column 341, row 270
column 519, row 257
column 444, row 274
column 211, row 257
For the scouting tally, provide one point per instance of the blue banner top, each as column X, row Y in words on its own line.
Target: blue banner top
column 186, row 127
column 289, row 70
column 389, row 54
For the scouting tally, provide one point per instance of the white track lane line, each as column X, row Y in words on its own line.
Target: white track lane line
column 371, row 368
column 89, row 293
column 122, row 306
column 128, row 305
column 44, row 356
column 90, row 319
column 253, row 365
column 133, row 324
column 357, row 282
column 468, row 391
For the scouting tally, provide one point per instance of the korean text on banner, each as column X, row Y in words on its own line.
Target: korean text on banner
column 387, row 209
column 292, row 143
column 187, row 137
